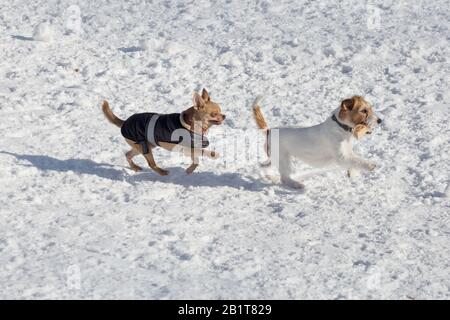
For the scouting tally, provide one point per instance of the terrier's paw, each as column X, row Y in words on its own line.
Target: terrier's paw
column 353, row 173
column 293, row 184
column 371, row 166
column 266, row 163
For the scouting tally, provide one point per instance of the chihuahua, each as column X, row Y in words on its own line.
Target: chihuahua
column 323, row 144
column 184, row 132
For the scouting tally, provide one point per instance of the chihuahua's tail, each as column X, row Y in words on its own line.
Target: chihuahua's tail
column 110, row 115
column 260, row 121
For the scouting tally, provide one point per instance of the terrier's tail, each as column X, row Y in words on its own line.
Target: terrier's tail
column 110, row 115
column 260, row 121
column 262, row 124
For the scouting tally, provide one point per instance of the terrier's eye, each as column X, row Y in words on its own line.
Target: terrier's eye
column 213, row 114
column 364, row 111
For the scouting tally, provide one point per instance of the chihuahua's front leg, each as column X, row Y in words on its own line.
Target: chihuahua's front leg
column 210, row 154
column 195, row 154
column 188, row 151
column 195, row 160
column 152, row 164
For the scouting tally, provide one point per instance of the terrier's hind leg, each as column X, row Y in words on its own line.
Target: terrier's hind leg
column 266, row 163
column 285, row 168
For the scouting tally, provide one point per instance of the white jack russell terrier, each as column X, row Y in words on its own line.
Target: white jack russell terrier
column 330, row 142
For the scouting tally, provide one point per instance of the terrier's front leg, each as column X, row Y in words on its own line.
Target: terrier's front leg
column 356, row 163
column 366, row 164
column 350, row 173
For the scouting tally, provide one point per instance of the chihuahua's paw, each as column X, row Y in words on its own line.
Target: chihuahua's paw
column 162, row 172
column 371, row 166
column 213, row 155
column 191, row 169
column 136, row 168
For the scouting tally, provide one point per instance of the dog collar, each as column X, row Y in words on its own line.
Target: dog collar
column 183, row 123
column 188, row 127
column 343, row 126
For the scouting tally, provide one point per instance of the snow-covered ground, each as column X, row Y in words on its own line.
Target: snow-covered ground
column 75, row 222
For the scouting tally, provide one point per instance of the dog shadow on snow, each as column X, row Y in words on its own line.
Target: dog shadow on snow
column 108, row 171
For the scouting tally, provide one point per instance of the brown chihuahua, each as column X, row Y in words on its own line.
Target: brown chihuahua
column 184, row 132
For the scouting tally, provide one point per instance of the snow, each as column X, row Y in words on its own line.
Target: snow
column 43, row 32
column 77, row 223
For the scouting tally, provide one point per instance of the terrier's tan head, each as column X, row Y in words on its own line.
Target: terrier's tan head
column 357, row 113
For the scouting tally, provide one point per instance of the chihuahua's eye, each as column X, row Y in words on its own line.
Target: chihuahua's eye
column 213, row 114
column 364, row 111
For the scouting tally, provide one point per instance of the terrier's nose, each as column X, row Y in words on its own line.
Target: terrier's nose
column 379, row 121
column 223, row 117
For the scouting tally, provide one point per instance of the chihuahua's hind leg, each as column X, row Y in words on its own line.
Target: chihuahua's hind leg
column 148, row 156
column 152, row 164
column 130, row 154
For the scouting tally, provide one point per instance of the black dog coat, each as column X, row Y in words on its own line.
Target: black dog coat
column 155, row 128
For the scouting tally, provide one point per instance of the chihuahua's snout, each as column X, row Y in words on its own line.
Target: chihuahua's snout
column 379, row 121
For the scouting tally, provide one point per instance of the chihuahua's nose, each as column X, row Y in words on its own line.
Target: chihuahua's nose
column 379, row 121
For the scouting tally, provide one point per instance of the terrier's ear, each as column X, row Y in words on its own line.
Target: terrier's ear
column 348, row 104
column 199, row 103
column 205, row 95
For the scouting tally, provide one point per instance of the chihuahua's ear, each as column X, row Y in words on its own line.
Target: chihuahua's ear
column 199, row 103
column 348, row 104
column 205, row 95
